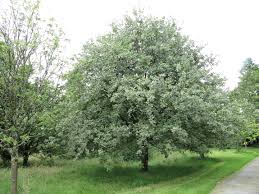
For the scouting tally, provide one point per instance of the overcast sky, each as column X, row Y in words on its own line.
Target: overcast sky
column 229, row 28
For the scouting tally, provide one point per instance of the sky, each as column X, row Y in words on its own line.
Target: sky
column 228, row 28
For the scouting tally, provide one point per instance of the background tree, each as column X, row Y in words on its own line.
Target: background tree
column 213, row 121
column 249, row 82
column 247, row 92
column 143, row 86
column 29, row 76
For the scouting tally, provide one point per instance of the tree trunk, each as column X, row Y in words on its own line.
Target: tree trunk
column 14, row 170
column 202, row 156
column 144, row 159
column 25, row 159
column 6, row 158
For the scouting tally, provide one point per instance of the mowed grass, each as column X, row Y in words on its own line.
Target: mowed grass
column 179, row 174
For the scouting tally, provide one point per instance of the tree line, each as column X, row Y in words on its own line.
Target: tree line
column 142, row 87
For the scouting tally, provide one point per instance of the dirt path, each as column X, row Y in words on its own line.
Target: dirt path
column 246, row 181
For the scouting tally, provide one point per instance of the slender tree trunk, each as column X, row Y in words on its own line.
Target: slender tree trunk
column 14, row 170
column 144, row 159
column 202, row 156
column 25, row 159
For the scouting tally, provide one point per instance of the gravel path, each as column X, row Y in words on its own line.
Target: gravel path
column 245, row 181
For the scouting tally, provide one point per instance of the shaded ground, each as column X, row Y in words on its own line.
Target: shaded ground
column 246, row 181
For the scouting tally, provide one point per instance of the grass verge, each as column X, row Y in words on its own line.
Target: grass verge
column 179, row 174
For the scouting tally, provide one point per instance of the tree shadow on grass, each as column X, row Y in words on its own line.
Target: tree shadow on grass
column 131, row 176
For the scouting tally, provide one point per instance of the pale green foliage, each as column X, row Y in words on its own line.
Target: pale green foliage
column 247, row 94
column 145, row 85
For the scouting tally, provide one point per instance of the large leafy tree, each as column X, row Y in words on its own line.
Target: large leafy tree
column 144, row 86
column 30, row 67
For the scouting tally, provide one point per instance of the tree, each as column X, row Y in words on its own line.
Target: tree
column 29, row 76
column 51, row 141
column 143, row 86
column 5, row 156
column 213, row 122
column 249, row 81
column 247, row 91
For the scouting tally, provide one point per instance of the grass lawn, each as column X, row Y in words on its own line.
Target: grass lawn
column 180, row 173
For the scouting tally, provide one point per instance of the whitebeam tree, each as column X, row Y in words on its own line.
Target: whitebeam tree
column 30, row 69
column 144, row 86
